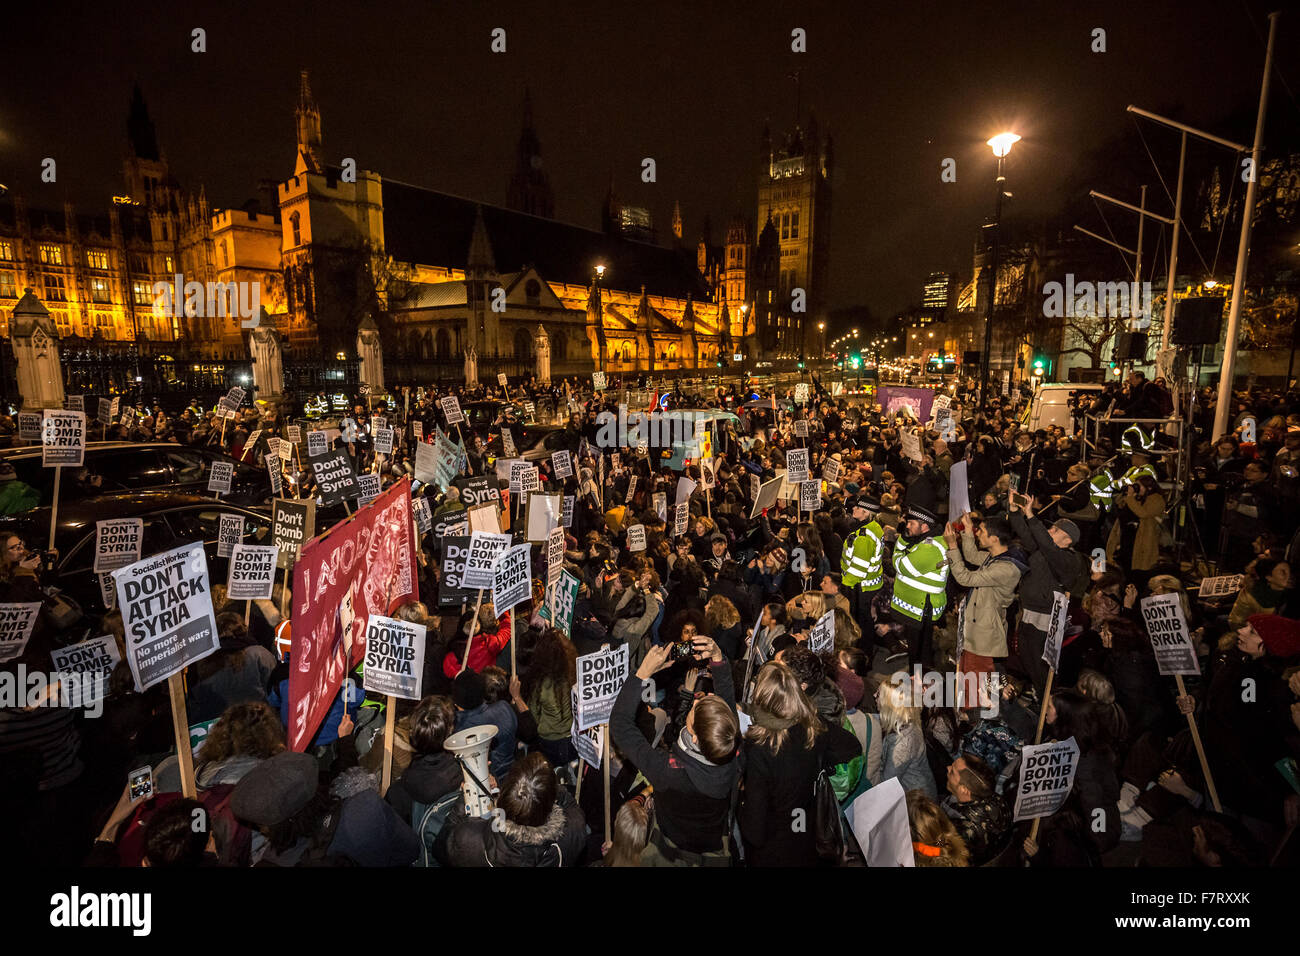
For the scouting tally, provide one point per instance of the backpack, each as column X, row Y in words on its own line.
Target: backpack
column 828, row 825
column 234, row 840
column 427, row 820
column 844, row 777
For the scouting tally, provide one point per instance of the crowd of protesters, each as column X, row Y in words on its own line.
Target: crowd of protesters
column 731, row 736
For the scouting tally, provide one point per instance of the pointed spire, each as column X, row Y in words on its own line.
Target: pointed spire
column 308, row 122
column 140, row 131
column 677, row 220
column 480, row 247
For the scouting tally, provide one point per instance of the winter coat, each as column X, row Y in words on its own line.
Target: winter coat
column 429, row 778
column 502, row 716
column 1146, row 546
column 550, row 705
column 559, row 841
column 779, row 784
column 483, row 650
column 993, row 583
column 903, row 756
column 1051, row 568
column 692, row 796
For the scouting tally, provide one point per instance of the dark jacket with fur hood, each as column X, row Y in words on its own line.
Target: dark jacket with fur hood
column 557, row 842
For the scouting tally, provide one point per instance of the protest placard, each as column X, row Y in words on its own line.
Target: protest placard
column 660, row 503
column 451, row 410
column 767, row 494
column 796, row 465
column 479, row 490
column 167, row 613
column 589, row 743
column 292, row 524
column 63, row 438
column 274, row 473
column 1056, row 633
column 511, row 578
column 879, row 823
column 501, row 379
column 16, row 624
column 383, row 441
column 554, row 556
column 417, row 429
column 564, row 599
column 317, row 444
column 631, row 490
column 29, row 426
column 636, row 537
column 601, row 676
column 371, row 556
column 272, row 447
column 1046, row 776
column 454, row 520
column 681, row 518
column 84, row 670
column 1171, row 640
column 830, row 470
column 394, row 662
column 484, row 549
column 801, row 428
column 452, row 591
column 821, row 639
column 367, row 488
column 911, row 444
column 958, row 490
column 230, row 531
column 423, row 514
column 426, row 463
column 108, row 410
column 336, row 481
column 1221, row 586
column 543, row 516
column 295, row 433
column 708, row 473
column 566, row 514
column 219, row 479
column 598, row 381
column 252, row 572
column 117, row 543
column 488, row 518
column 250, row 443
column 508, row 449
column 74, row 403
column 810, row 495
column 685, row 488
column 801, row 393
column 562, row 463
column 285, row 450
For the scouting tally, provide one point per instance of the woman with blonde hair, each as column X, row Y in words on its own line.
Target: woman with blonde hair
column 935, row 840
column 903, row 750
column 786, row 748
column 722, row 623
column 631, row 830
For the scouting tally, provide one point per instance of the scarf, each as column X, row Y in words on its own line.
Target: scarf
column 768, row 720
column 691, row 748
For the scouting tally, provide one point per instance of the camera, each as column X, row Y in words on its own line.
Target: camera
column 682, row 650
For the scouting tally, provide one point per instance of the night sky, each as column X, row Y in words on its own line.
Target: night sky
column 412, row 91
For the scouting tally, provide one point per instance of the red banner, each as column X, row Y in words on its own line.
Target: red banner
column 372, row 556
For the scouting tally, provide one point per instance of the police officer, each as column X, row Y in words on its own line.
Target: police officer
column 920, row 582
column 862, row 564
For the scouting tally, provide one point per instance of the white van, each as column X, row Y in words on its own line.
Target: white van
column 1053, row 405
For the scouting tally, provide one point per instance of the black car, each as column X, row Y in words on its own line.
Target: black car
column 116, row 466
column 170, row 520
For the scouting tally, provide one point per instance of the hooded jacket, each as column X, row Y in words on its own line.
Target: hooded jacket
column 993, row 582
column 692, row 796
column 429, row 778
column 559, row 841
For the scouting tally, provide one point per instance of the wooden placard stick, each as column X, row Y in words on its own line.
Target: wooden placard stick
column 181, row 727
column 390, row 711
column 1038, row 738
column 473, row 627
column 1200, row 749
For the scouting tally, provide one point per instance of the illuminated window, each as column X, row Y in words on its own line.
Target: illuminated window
column 99, row 290
column 142, row 293
column 61, row 320
column 104, row 320
column 8, row 289
column 295, row 221
column 97, row 259
column 794, row 225
column 167, row 264
column 225, row 255
column 785, row 225
column 54, row 289
column 6, row 250
column 51, row 255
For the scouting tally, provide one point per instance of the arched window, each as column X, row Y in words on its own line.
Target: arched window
column 295, row 221
column 523, row 345
column 225, row 255
column 672, row 353
column 533, row 291
column 629, row 352
column 559, row 347
column 443, row 348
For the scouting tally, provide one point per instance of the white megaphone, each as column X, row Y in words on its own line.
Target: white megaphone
column 470, row 747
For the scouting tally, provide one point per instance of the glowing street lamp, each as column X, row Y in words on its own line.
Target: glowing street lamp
column 1002, row 144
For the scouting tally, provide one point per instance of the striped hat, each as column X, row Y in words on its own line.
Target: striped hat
column 916, row 512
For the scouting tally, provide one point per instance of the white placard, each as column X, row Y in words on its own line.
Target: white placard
column 1056, row 634
column 554, row 556
column 117, row 543
column 598, row 381
column 878, row 820
column 451, row 410
column 600, row 677
column 252, row 572
column 484, row 549
column 1171, row 639
column 230, row 531
column 219, row 479
column 821, row 639
column 317, row 443
column 1046, row 776
column 512, row 578
column 394, row 661
column 166, row 609
column 1221, row 586
column 911, row 445
column 17, row 621
column 810, row 495
column 84, row 670
column 796, row 465
column 63, row 438
column 636, row 537
column 562, row 464
column 544, row 514
column 958, row 490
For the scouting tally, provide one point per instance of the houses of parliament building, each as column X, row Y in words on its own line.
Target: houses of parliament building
column 440, row 274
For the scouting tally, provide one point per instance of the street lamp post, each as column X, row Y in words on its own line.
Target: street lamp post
column 1001, row 145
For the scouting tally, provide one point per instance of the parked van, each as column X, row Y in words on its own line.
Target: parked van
column 1053, row 404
